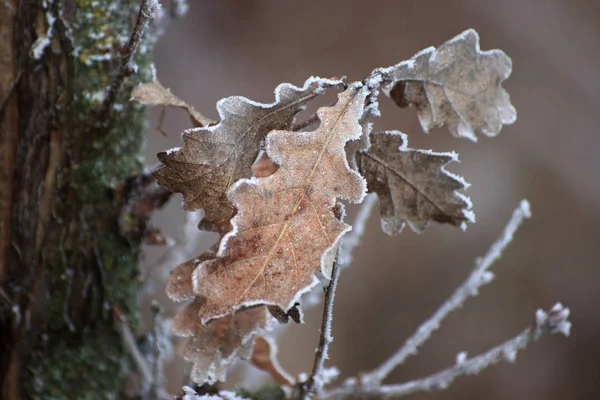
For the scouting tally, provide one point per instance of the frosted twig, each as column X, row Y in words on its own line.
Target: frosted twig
column 479, row 277
column 147, row 12
column 314, row 382
column 554, row 321
column 351, row 240
column 131, row 346
column 156, row 384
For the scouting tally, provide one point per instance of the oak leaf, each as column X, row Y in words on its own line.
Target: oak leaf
column 286, row 228
column 456, row 85
column 214, row 158
column 213, row 348
column 412, row 185
column 155, row 94
column 264, row 356
column 179, row 286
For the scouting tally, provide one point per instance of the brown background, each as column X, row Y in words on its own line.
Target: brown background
column 548, row 156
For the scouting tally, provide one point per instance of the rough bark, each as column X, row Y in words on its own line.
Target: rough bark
column 69, row 238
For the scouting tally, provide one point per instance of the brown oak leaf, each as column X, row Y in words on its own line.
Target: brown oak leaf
column 155, row 94
column 412, row 185
column 214, row 158
column 264, row 356
column 456, row 85
column 285, row 229
column 179, row 287
column 213, row 348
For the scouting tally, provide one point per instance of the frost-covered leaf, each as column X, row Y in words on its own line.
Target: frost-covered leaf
column 214, row 158
column 155, row 94
column 456, row 85
column 363, row 143
column 264, row 356
column 286, row 229
column 213, row 348
column 412, row 185
column 179, row 287
column 264, row 167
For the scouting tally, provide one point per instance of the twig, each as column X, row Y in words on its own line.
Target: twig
column 156, row 384
column 555, row 321
column 314, row 383
column 479, row 277
column 351, row 240
column 147, row 12
column 131, row 345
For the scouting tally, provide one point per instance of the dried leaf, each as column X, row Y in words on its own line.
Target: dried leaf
column 295, row 313
column 286, row 229
column 412, row 185
column 179, row 287
column 214, row 158
column 215, row 347
column 155, row 94
column 264, row 167
column 264, row 356
column 456, row 85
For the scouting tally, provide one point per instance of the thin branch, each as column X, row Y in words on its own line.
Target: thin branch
column 314, row 383
column 156, row 384
column 554, row 321
column 479, row 277
column 131, row 345
column 147, row 12
column 351, row 240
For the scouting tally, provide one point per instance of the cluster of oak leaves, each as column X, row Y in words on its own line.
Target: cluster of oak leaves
column 272, row 188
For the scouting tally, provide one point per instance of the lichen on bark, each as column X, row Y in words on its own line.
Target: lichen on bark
column 72, row 267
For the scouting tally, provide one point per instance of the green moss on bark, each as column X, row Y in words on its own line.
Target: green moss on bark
column 90, row 268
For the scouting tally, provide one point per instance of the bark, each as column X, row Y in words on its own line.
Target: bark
column 69, row 234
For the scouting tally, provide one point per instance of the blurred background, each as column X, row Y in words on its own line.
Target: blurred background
column 549, row 156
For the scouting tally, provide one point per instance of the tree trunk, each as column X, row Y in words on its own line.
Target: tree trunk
column 69, row 238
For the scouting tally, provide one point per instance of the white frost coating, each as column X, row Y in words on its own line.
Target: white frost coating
column 39, row 46
column 470, row 287
column 42, row 42
column 328, row 375
column 557, row 320
column 190, row 394
column 173, row 150
column 97, row 97
column 409, row 64
column 461, row 358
